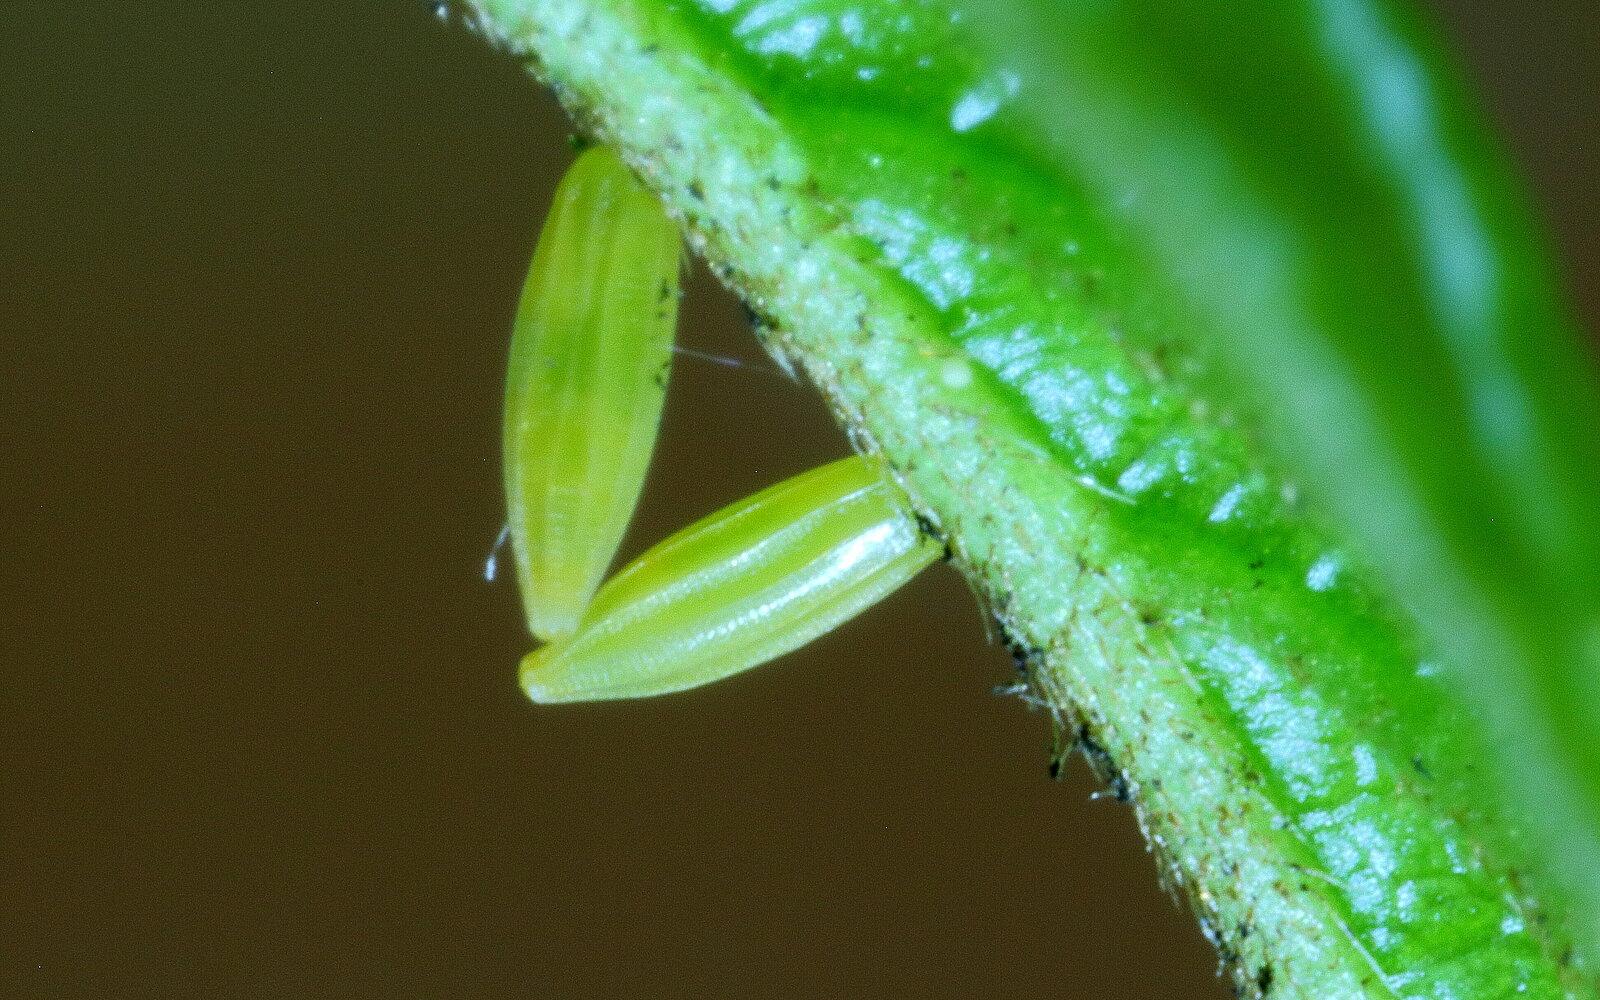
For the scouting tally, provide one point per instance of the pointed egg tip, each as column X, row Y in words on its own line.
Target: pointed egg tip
column 540, row 677
column 551, row 623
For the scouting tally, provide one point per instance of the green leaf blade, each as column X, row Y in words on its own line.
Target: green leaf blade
column 980, row 320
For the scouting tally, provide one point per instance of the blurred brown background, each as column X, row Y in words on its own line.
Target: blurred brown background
column 260, row 730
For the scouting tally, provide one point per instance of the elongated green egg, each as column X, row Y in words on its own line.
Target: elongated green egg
column 747, row 584
column 590, row 355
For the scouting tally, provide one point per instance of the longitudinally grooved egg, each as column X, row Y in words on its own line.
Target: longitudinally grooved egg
column 590, row 355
